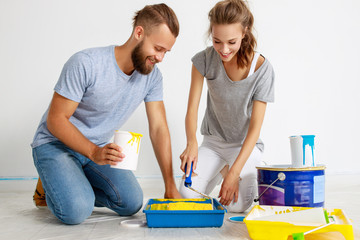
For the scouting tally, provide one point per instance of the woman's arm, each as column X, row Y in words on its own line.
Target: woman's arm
column 190, row 154
column 230, row 186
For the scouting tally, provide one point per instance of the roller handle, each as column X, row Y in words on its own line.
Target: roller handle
column 188, row 181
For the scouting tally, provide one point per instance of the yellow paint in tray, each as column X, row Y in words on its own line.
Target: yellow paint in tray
column 181, row 204
column 180, row 200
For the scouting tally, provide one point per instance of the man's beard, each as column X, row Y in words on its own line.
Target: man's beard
column 139, row 60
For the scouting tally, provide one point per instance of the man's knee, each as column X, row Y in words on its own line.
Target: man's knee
column 132, row 207
column 75, row 212
column 130, row 203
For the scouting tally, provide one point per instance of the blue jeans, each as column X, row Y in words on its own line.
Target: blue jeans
column 74, row 184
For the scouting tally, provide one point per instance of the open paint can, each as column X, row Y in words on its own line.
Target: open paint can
column 283, row 185
column 130, row 144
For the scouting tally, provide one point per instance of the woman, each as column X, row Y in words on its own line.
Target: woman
column 240, row 83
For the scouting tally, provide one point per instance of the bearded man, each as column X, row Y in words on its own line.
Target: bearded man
column 98, row 90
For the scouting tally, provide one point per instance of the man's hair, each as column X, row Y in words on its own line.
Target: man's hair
column 154, row 15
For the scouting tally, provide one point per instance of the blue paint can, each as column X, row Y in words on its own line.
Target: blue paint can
column 283, row 185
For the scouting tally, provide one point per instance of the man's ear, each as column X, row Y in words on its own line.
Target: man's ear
column 139, row 32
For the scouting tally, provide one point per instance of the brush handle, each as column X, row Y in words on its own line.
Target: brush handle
column 188, row 181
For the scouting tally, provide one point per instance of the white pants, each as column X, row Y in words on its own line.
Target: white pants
column 213, row 156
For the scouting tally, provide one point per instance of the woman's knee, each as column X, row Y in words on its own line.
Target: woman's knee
column 247, row 191
column 197, row 183
column 239, row 206
column 187, row 193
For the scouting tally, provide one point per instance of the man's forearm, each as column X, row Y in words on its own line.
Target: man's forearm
column 58, row 123
column 67, row 133
column 161, row 142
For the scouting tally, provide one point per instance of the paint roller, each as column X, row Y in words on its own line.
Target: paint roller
column 301, row 236
column 188, row 183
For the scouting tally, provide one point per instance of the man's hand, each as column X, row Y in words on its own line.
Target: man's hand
column 160, row 139
column 109, row 154
column 172, row 193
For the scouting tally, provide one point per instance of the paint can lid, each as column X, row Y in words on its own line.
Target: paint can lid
column 133, row 223
column 238, row 219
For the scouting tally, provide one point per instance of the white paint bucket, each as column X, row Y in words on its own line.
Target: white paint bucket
column 130, row 144
column 302, row 151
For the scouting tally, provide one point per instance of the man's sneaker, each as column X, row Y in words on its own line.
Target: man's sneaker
column 39, row 195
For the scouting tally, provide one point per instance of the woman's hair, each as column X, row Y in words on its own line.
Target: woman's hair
column 154, row 15
column 236, row 11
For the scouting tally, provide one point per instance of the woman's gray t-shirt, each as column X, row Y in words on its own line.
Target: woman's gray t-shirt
column 229, row 103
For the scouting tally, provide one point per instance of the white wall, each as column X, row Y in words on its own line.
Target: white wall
column 312, row 45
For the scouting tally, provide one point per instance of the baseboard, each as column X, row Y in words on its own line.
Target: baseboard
column 328, row 172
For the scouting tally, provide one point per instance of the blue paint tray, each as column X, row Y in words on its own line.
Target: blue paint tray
column 184, row 218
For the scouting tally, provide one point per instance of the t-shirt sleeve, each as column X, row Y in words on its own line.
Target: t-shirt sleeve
column 75, row 77
column 155, row 92
column 265, row 89
column 199, row 61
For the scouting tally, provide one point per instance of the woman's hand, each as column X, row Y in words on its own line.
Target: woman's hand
column 109, row 154
column 190, row 155
column 229, row 189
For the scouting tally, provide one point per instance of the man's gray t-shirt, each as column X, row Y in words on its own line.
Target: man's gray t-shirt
column 229, row 103
column 106, row 95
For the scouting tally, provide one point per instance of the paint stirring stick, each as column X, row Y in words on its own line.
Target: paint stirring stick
column 301, row 236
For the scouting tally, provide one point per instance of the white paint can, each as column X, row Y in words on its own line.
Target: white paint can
column 130, row 144
column 302, row 151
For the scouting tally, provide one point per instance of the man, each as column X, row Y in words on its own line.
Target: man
column 97, row 91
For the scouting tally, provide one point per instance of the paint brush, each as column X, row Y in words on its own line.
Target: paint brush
column 188, row 184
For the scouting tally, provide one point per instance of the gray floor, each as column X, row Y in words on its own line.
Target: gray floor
column 21, row 220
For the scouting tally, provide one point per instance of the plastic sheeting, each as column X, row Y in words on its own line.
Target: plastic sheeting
column 20, row 219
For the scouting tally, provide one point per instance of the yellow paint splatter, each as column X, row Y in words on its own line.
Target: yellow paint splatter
column 135, row 137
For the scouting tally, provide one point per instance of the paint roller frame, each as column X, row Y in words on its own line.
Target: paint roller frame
column 301, row 235
column 188, row 183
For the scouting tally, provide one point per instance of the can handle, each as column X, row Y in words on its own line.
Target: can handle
column 281, row 177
